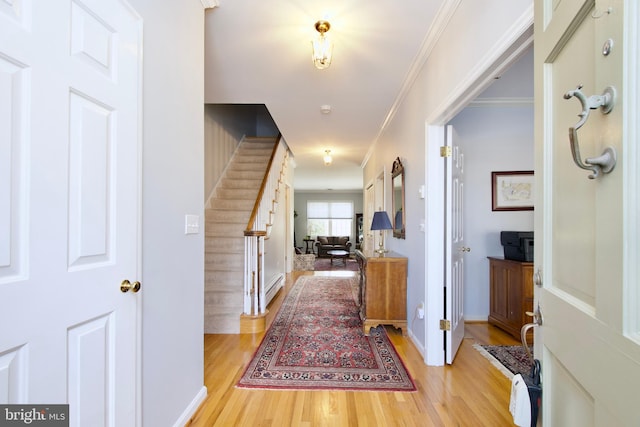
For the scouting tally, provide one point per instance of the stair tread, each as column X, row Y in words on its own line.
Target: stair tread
column 222, row 251
column 231, row 230
column 225, row 288
column 234, row 220
column 229, row 205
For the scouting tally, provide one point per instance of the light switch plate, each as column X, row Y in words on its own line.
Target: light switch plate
column 191, row 224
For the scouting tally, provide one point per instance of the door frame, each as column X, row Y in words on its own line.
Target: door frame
column 515, row 43
column 289, row 247
column 631, row 272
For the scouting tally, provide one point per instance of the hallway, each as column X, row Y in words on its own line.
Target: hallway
column 470, row 393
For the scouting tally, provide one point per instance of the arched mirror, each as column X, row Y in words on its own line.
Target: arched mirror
column 397, row 198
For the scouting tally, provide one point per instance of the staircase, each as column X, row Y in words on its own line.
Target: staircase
column 225, row 223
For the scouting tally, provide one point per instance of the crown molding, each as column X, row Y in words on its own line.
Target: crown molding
column 502, row 102
column 442, row 18
column 515, row 41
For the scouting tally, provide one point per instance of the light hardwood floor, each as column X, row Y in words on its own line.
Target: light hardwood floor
column 471, row 392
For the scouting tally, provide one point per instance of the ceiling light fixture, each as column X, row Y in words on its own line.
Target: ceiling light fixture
column 322, row 46
column 327, row 158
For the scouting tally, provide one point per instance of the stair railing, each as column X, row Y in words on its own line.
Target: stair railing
column 259, row 228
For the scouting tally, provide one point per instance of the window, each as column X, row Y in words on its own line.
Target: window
column 329, row 218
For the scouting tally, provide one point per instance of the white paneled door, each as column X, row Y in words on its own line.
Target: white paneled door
column 586, row 220
column 454, row 247
column 70, row 87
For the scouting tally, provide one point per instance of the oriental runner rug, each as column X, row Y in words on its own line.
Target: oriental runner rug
column 316, row 342
column 325, row 264
column 509, row 359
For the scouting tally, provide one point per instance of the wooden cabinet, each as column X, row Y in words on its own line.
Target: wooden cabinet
column 511, row 294
column 383, row 290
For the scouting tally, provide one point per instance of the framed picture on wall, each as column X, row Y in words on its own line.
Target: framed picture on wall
column 512, row 191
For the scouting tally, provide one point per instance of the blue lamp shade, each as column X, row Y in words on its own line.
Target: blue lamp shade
column 399, row 219
column 381, row 221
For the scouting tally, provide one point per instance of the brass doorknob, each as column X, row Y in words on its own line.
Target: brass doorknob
column 127, row 286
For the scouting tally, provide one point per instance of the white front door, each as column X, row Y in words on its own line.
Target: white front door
column 70, row 86
column 454, row 247
column 587, row 229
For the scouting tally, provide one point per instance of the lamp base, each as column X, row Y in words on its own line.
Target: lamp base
column 381, row 250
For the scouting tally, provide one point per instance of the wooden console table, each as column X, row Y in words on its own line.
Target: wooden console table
column 383, row 290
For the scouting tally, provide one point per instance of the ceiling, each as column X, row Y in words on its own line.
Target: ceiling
column 259, row 52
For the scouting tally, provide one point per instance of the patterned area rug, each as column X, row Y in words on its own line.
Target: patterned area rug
column 324, row 264
column 316, row 342
column 510, row 359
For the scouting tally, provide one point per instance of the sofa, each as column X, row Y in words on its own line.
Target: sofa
column 325, row 244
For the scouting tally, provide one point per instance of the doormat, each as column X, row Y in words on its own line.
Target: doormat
column 509, row 359
column 316, row 342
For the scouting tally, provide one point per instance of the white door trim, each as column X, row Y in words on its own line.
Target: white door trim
column 631, row 108
column 515, row 41
column 434, row 253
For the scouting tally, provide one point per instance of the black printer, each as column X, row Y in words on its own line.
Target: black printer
column 518, row 245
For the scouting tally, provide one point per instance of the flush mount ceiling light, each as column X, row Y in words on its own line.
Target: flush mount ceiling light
column 322, row 46
column 327, row 158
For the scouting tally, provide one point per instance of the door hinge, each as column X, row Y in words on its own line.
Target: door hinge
column 445, row 151
column 445, row 325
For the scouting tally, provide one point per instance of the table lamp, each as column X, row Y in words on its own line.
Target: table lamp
column 381, row 222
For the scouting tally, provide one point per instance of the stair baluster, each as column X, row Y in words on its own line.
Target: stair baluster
column 258, row 229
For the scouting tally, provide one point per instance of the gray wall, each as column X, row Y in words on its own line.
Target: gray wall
column 172, row 185
column 224, row 127
column 492, row 138
column 453, row 64
column 495, row 134
column 300, row 206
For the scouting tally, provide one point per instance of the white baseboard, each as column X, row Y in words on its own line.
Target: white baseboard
column 192, row 408
column 274, row 285
column 416, row 343
column 475, row 318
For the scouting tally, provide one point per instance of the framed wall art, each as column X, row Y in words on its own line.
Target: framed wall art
column 512, row 191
